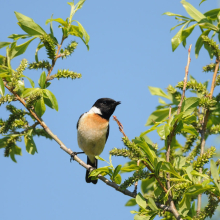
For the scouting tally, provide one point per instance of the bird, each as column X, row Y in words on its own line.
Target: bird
column 93, row 131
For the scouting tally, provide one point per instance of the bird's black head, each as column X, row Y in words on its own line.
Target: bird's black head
column 106, row 106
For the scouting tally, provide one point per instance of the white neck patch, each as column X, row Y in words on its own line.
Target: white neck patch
column 95, row 110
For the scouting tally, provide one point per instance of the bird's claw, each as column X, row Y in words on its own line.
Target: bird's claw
column 74, row 154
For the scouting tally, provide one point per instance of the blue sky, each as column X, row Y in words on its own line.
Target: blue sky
column 130, row 49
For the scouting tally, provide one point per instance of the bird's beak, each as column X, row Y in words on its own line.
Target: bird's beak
column 117, row 103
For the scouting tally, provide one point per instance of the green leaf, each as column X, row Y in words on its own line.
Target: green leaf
column 212, row 14
column 39, row 46
column 50, row 99
column 40, row 107
column 159, row 115
column 141, row 201
column 141, row 217
column 193, row 190
column 129, row 168
column 15, row 37
column 158, row 92
column 2, row 87
column 4, row 44
column 195, row 173
column 3, row 142
column 187, row 32
column 98, row 171
column 20, row 49
column 201, row 2
column 28, row 25
column 163, row 131
column 80, row 4
column 42, row 80
column 177, row 39
column 193, row 12
column 145, row 147
column 199, row 42
column 214, row 172
column 147, row 185
column 152, row 204
column 83, row 31
column 15, row 150
column 177, row 15
column 116, row 171
column 131, row 202
column 179, row 162
column 154, row 127
column 59, row 20
column 189, row 119
column 189, row 129
column 20, row 86
column 189, row 105
column 100, row 158
column 29, row 143
column 161, row 101
column 30, row 80
column 29, row 91
column 167, row 167
column 117, row 179
column 184, row 205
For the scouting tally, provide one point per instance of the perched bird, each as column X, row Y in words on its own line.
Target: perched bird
column 93, row 130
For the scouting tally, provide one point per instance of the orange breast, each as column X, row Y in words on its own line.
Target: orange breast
column 94, row 121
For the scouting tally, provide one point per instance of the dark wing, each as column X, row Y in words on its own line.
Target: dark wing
column 107, row 133
column 78, row 120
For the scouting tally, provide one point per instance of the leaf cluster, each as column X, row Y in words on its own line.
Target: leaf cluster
column 34, row 98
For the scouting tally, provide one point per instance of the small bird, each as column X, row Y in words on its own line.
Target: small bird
column 93, row 130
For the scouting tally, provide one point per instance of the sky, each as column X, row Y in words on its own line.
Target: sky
column 130, row 49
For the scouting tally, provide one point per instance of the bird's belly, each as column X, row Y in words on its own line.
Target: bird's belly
column 92, row 141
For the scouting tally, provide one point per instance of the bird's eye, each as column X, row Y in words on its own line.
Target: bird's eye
column 104, row 102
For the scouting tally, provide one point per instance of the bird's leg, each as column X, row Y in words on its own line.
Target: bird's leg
column 74, row 154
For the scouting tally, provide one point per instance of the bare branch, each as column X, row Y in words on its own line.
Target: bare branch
column 185, row 80
column 119, row 125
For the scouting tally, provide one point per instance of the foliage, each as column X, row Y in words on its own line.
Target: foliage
column 21, row 124
column 175, row 173
column 171, row 175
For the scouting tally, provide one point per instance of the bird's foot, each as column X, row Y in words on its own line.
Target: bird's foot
column 74, row 154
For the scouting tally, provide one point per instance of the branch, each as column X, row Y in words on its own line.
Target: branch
column 119, row 125
column 76, row 158
column 54, row 60
column 203, row 131
column 172, row 134
column 149, row 168
column 185, row 80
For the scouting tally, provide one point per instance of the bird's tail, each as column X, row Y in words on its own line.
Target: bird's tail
column 95, row 165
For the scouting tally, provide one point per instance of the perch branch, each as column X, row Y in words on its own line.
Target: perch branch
column 76, row 158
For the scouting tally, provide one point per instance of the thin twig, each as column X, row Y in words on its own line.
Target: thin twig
column 120, row 126
column 55, row 59
column 214, row 78
column 168, row 160
column 28, row 128
column 185, row 80
column 203, row 131
column 149, row 168
column 136, row 183
column 172, row 134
